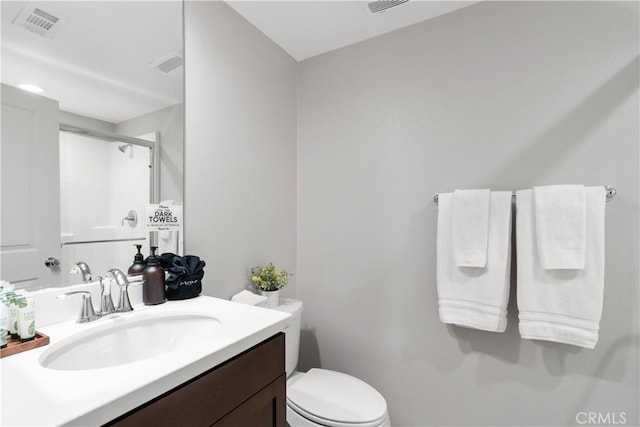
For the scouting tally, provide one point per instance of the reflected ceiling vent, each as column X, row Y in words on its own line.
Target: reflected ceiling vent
column 382, row 5
column 38, row 20
column 168, row 63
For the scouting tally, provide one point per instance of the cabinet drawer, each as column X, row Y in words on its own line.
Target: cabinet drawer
column 208, row 397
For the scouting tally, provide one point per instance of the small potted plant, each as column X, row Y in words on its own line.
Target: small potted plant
column 269, row 280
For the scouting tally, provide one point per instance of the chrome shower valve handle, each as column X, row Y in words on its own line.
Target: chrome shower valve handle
column 83, row 269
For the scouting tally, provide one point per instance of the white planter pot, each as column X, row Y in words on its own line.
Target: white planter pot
column 273, row 298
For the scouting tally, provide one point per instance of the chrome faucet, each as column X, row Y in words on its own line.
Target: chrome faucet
column 81, row 267
column 124, row 304
column 88, row 313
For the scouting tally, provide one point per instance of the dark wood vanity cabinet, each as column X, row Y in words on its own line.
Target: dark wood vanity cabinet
column 247, row 390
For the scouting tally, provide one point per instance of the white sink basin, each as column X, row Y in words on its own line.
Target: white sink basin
column 131, row 340
column 115, row 364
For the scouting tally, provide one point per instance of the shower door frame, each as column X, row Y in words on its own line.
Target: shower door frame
column 154, row 178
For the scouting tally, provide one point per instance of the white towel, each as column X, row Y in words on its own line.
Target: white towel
column 475, row 297
column 560, row 305
column 169, row 241
column 471, row 227
column 246, row 297
column 560, row 226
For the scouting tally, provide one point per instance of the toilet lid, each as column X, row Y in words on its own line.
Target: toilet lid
column 337, row 397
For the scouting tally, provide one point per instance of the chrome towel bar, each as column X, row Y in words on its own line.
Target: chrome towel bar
column 610, row 193
column 132, row 239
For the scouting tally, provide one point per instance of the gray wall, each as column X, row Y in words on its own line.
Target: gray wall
column 240, row 160
column 504, row 95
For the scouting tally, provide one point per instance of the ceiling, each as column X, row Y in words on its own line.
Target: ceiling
column 309, row 28
column 97, row 62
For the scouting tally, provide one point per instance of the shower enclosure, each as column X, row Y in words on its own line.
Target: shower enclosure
column 105, row 181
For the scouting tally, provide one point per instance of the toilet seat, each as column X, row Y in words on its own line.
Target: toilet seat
column 335, row 399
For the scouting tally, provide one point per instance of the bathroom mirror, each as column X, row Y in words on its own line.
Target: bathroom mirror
column 112, row 75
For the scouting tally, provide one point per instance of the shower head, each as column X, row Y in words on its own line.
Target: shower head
column 124, row 147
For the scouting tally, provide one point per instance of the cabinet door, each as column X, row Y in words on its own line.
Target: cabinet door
column 267, row 408
column 248, row 378
column 30, row 188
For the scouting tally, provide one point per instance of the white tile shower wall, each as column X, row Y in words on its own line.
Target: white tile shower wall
column 503, row 95
column 83, row 189
column 129, row 186
column 99, row 185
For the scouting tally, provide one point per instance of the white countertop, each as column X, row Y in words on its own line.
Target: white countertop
column 32, row 395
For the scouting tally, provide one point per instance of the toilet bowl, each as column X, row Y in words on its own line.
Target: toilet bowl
column 321, row 397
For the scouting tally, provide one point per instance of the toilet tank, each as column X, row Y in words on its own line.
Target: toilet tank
column 292, row 332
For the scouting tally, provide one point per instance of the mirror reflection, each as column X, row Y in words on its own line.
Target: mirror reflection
column 102, row 137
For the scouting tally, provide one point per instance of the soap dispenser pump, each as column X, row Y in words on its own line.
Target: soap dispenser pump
column 153, row 291
column 138, row 265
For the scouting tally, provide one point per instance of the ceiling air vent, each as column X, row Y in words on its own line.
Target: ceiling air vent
column 38, row 21
column 168, row 63
column 382, row 5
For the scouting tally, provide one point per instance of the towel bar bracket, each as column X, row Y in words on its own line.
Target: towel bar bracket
column 610, row 193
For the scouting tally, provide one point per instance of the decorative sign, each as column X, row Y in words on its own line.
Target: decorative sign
column 162, row 218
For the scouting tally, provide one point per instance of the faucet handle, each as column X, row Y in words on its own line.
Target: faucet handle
column 124, row 304
column 87, row 312
column 106, row 303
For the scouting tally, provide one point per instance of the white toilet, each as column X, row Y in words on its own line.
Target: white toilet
column 326, row 398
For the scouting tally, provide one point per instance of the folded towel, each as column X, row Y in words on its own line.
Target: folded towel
column 166, row 259
column 168, row 241
column 475, row 297
column 560, row 305
column 180, row 267
column 189, row 264
column 560, row 226
column 246, row 297
column 471, row 227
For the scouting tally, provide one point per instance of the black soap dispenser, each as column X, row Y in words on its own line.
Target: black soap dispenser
column 138, row 265
column 153, row 291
